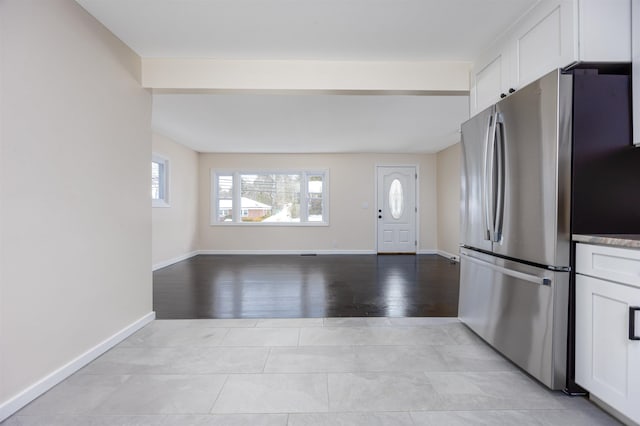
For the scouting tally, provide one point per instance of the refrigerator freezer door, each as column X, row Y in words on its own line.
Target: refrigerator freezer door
column 520, row 310
column 534, row 134
column 475, row 217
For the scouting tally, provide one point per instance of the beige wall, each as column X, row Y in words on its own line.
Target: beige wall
column 75, row 223
column 209, row 73
column 352, row 183
column 449, row 199
column 175, row 227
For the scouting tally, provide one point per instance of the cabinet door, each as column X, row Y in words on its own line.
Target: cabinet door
column 604, row 30
column 607, row 361
column 488, row 82
column 544, row 41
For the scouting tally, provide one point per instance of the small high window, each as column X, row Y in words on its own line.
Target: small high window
column 159, row 181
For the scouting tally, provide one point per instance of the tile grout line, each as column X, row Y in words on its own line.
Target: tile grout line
column 225, row 336
column 266, row 360
column 226, row 379
column 413, row 421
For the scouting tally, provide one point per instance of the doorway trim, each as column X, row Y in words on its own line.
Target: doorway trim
column 375, row 201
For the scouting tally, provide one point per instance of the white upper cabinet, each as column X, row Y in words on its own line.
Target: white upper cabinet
column 554, row 34
column 604, row 30
column 489, row 79
column 542, row 41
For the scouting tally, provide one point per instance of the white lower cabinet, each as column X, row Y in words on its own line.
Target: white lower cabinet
column 607, row 357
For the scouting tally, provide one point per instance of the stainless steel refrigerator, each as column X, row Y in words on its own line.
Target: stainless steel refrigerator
column 552, row 159
column 515, row 254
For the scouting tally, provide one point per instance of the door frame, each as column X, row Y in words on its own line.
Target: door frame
column 375, row 201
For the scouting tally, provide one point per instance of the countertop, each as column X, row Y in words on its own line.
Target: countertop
column 622, row 240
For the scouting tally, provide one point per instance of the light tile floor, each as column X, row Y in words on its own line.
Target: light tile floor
column 304, row 372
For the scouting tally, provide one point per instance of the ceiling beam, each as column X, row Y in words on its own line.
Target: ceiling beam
column 419, row 78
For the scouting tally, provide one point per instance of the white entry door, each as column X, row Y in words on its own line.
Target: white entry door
column 396, row 210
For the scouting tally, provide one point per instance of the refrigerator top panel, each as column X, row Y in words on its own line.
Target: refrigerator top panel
column 474, row 227
column 533, row 172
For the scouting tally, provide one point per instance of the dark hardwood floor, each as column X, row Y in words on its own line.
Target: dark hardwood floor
column 275, row 286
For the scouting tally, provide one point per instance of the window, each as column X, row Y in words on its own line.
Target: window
column 269, row 198
column 159, row 181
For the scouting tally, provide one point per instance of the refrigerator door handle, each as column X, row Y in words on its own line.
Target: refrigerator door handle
column 487, row 179
column 510, row 272
column 500, row 185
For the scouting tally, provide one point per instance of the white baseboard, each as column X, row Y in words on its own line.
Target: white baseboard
column 287, row 252
column 13, row 404
column 440, row 253
column 449, row 255
column 168, row 262
column 427, row 251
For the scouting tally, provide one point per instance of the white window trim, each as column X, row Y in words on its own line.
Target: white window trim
column 163, row 202
column 237, row 195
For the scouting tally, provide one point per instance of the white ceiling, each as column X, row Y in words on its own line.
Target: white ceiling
column 308, row 29
column 407, row 30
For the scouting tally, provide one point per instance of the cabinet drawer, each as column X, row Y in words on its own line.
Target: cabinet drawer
column 611, row 263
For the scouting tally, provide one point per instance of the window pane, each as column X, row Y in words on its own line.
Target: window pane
column 225, row 198
column 155, row 181
column 315, row 198
column 270, row 197
column 158, row 180
column 396, row 199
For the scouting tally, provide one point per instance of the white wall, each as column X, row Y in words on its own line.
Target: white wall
column 75, row 222
column 448, row 161
column 175, row 227
column 352, row 183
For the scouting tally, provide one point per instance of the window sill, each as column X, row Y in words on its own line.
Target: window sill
column 269, row 225
column 159, row 204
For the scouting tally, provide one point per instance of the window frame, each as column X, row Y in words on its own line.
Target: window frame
column 163, row 181
column 305, row 174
